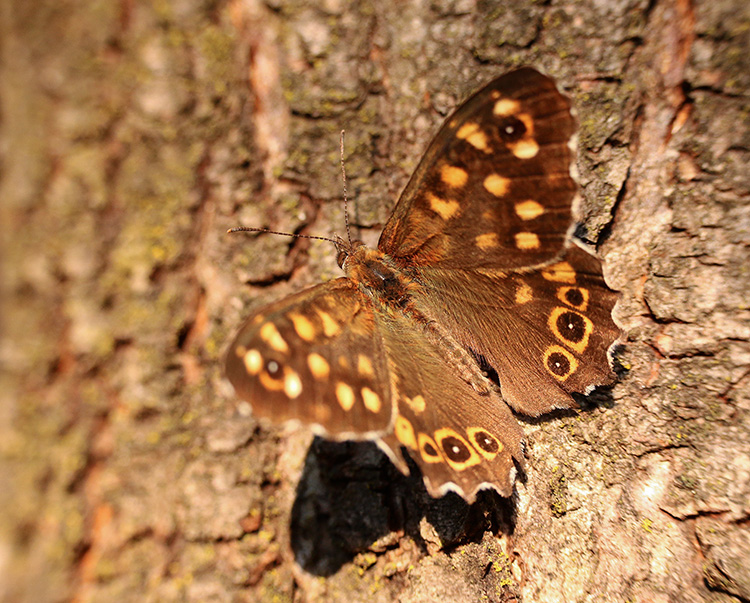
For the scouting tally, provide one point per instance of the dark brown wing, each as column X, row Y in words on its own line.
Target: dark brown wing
column 331, row 358
column 316, row 357
column 461, row 440
column 494, row 189
column 547, row 332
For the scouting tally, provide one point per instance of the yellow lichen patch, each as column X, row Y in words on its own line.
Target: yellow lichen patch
column 562, row 272
column 472, row 133
column 528, row 210
column 319, row 367
column 270, row 335
column 253, row 361
column 417, row 403
column 364, row 366
column 445, row 208
column 497, row 185
column 372, row 401
column 303, row 326
column 486, row 241
column 292, row 383
column 330, row 327
column 505, row 107
column 344, row 395
column 454, row 177
column 405, row 432
column 527, row 240
column 524, row 293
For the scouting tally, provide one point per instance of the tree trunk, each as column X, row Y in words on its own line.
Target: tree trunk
column 134, row 134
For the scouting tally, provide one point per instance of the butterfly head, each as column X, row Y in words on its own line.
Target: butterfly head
column 345, row 249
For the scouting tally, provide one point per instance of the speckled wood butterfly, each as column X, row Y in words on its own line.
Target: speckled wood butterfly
column 476, row 268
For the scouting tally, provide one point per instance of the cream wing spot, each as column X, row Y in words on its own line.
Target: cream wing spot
column 562, row 272
column 417, row 403
column 455, row 177
column 525, row 149
column 527, row 240
column 497, row 185
column 303, row 326
column 292, row 384
column 372, row 401
column 344, row 395
column 319, row 367
column 524, row 293
column 473, row 134
column 253, row 361
column 528, row 210
column 445, row 208
column 270, row 335
column 505, row 107
column 405, row 432
column 330, row 327
column 487, row 241
column 364, row 366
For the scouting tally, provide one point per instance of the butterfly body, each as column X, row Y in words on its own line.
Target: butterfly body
column 474, row 268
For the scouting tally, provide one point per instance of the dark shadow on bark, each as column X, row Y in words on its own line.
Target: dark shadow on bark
column 350, row 496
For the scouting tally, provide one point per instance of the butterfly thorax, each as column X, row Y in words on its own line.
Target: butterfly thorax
column 391, row 288
column 379, row 275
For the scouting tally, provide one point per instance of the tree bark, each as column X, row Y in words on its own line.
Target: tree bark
column 134, row 134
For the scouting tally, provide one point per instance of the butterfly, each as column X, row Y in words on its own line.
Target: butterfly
column 476, row 269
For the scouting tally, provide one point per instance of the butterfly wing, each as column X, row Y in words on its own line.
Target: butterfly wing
column 316, row 357
column 331, row 357
column 494, row 189
column 485, row 227
column 547, row 333
column 461, row 440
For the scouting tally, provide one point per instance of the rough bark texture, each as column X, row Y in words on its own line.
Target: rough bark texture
column 134, row 134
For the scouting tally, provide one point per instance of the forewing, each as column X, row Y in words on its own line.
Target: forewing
column 316, row 357
column 494, row 189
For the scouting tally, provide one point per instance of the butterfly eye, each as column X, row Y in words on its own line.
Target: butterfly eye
column 512, row 129
column 572, row 325
column 574, row 297
column 273, row 369
column 455, row 449
column 486, row 442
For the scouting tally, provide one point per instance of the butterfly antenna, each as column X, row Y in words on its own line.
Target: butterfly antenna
column 346, row 200
column 276, row 232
